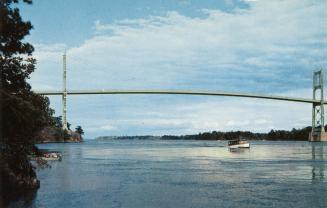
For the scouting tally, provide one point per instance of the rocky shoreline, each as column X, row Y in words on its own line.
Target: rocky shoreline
column 16, row 185
column 58, row 135
column 20, row 182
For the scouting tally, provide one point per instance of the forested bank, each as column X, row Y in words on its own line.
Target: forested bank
column 294, row 134
column 24, row 114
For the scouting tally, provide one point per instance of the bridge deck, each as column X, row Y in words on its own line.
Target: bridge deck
column 180, row 92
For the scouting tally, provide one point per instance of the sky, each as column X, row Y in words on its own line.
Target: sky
column 251, row 46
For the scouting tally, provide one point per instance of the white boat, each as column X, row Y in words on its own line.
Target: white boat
column 238, row 144
column 51, row 156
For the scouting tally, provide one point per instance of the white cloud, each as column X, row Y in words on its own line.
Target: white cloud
column 266, row 41
column 238, row 123
column 108, row 127
column 192, row 115
column 272, row 47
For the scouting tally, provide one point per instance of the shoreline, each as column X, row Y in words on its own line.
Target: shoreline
column 301, row 134
column 99, row 140
column 50, row 142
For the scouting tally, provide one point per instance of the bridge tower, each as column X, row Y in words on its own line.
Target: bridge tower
column 64, row 95
column 318, row 125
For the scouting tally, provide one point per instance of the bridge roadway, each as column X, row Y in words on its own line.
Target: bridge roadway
column 179, row 92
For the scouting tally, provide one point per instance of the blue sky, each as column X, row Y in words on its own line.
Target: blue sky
column 259, row 46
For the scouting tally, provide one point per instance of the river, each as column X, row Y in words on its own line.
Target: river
column 177, row 173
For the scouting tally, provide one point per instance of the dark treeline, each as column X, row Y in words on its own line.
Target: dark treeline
column 294, row 134
column 146, row 137
column 23, row 114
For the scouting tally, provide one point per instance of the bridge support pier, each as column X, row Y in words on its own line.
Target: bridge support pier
column 64, row 95
column 318, row 125
column 318, row 137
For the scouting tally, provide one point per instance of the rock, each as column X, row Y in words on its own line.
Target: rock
column 50, row 134
column 55, row 134
column 73, row 137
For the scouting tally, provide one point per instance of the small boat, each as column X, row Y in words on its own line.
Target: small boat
column 238, row 143
column 51, row 156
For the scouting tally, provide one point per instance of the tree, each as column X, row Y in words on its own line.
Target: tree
column 57, row 121
column 79, row 130
column 23, row 113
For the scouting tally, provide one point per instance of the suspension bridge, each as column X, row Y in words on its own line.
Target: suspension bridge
column 318, row 132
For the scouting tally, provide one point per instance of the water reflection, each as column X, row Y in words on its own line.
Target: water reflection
column 184, row 174
column 27, row 199
column 239, row 150
column 317, row 162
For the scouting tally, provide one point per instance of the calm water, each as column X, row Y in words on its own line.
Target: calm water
column 136, row 173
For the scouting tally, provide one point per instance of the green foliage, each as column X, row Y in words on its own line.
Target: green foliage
column 23, row 113
column 294, row 134
column 79, row 130
column 66, row 134
column 57, row 121
column 13, row 30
